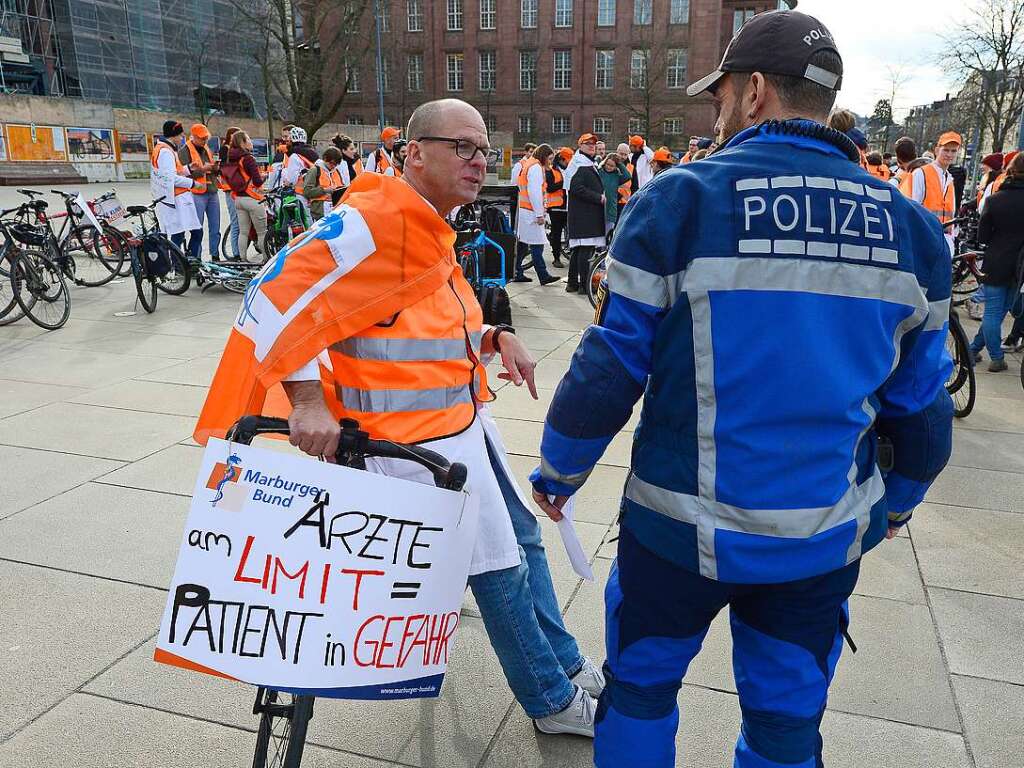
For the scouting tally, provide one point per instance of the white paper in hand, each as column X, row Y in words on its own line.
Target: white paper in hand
column 571, row 541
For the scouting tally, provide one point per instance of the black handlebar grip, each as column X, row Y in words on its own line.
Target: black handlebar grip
column 457, row 475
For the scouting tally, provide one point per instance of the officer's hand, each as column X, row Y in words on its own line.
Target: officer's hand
column 314, row 430
column 519, row 366
column 551, row 509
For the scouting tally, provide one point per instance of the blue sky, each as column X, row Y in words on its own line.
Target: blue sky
column 872, row 34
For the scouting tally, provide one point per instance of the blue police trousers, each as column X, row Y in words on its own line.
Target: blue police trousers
column 786, row 642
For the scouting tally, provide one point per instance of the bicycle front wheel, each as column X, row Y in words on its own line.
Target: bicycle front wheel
column 961, row 382
column 40, row 289
column 178, row 280
column 598, row 269
column 145, row 287
column 9, row 309
column 96, row 257
column 281, row 737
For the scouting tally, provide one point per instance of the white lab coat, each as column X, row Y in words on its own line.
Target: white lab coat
column 528, row 230
column 644, row 171
column 371, row 162
column 175, row 213
column 294, row 168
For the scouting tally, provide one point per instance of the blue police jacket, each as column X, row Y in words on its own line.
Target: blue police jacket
column 779, row 309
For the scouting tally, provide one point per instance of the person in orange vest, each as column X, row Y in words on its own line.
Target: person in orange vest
column 203, row 167
column 398, row 154
column 626, row 190
column 351, row 165
column 662, row 160
column 247, row 183
column 229, row 202
column 322, row 181
column 932, row 184
column 170, row 182
column 531, row 215
column 999, row 180
column 556, row 200
column 691, row 150
column 380, row 160
column 877, row 167
column 300, row 159
column 282, row 147
column 906, row 153
column 407, row 346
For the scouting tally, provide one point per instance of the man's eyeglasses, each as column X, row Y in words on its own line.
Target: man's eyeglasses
column 465, row 149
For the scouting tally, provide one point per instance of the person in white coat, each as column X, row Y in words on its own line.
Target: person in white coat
column 530, row 216
column 640, row 156
column 170, row 183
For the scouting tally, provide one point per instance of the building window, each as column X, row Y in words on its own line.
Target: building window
column 414, row 73
column 525, row 124
column 563, row 13
column 385, row 74
column 740, row 17
column 454, row 15
column 642, row 12
column 354, row 120
column 385, row 14
column 602, row 126
column 638, row 69
column 352, row 73
column 415, row 16
column 527, row 70
column 561, row 125
column 606, row 13
column 637, row 125
column 604, row 69
column 488, row 14
column 455, row 61
column 492, row 123
column 488, row 71
column 528, row 14
column 675, row 70
column 679, row 12
column 673, row 126
column 563, row 70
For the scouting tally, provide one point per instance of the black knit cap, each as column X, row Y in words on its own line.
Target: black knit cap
column 173, row 128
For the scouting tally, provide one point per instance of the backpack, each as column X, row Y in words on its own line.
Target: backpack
column 495, row 304
column 493, row 219
column 231, row 174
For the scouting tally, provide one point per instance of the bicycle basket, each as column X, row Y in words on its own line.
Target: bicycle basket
column 156, row 252
column 29, row 235
column 109, row 210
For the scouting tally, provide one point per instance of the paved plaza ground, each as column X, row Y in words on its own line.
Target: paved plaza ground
column 96, row 468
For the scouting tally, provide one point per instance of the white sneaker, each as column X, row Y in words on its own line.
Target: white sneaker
column 577, row 718
column 589, row 678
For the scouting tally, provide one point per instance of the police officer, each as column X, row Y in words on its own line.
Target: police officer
column 757, row 480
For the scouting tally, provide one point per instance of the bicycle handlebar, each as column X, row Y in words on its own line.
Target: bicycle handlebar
column 357, row 443
column 956, row 222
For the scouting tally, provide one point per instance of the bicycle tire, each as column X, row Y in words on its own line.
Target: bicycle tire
column 282, row 749
column 144, row 286
column 595, row 275
column 36, row 277
column 10, row 312
column 961, row 386
column 226, row 247
column 178, row 280
column 964, row 281
column 99, row 263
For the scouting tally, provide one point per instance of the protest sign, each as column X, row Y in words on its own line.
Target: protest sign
column 309, row 577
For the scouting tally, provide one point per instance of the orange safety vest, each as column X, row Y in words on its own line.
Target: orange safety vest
column 626, row 190
column 684, row 159
column 383, row 161
column 555, row 197
column 200, row 181
column 880, row 171
column 939, row 203
column 418, row 376
column 250, row 190
column 524, row 194
column 301, row 181
column 327, row 178
column 178, row 167
column 998, row 183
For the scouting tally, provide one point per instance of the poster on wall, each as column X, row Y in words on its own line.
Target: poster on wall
column 133, row 146
column 91, row 145
column 261, row 150
column 36, row 142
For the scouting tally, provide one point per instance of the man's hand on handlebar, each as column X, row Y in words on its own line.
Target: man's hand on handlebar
column 314, row 429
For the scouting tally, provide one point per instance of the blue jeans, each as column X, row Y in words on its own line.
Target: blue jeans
column 998, row 300
column 537, row 254
column 786, row 642
column 521, row 615
column 207, row 207
column 233, row 218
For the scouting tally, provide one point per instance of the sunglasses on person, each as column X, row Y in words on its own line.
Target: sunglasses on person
column 465, row 149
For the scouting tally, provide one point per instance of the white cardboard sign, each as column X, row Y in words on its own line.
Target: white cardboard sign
column 308, row 577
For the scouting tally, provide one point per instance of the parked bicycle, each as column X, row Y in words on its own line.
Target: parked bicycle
column 37, row 284
column 284, row 717
column 157, row 263
column 287, row 218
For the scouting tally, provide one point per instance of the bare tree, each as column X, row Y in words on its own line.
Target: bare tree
column 987, row 52
column 313, row 49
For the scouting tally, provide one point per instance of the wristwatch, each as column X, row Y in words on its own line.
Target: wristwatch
column 496, row 332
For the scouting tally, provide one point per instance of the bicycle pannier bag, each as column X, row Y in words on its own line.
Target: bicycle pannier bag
column 157, row 257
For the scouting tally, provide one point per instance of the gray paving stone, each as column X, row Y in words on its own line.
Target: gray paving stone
column 518, row 403
column 92, row 732
column 31, row 476
column 541, row 341
column 523, row 437
column 47, row 364
column 172, row 470
column 988, row 450
column 982, row 636
column 993, row 719
column 145, row 342
column 1001, row 414
column 95, row 431
column 451, row 730
column 598, row 500
column 198, row 372
column 979, row 489
column 975, row 550
column 147, row 396
column 20, row 396
column 59, row 630
column 133, row 535
column 890, row 570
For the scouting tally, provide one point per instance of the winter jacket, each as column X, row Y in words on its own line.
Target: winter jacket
column 1002, row 229
column 586, row 211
